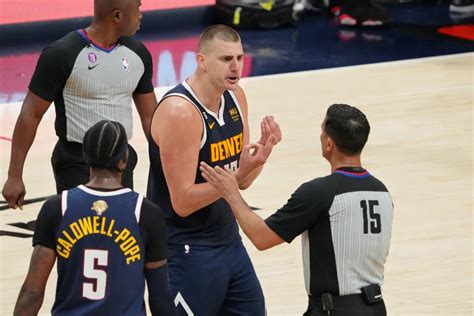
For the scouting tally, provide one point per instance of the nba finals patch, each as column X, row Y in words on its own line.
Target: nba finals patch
column 99, row 207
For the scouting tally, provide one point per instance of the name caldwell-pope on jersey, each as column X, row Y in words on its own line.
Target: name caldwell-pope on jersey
column 98, row 225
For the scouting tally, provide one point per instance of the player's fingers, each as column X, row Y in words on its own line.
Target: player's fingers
column 263, row 132
column 212, row 180
column 218, row 174
column 269, row 144
column 205, row 175
column 12, row 204
column 11, row 200
column 204, row 166
column 249, row 149
column 225, row 174
column 21, row 201
column 208, row 171
column 204, row 172
column 275, row 129
column 255, row 149
column 219, row 170
column 268, row 126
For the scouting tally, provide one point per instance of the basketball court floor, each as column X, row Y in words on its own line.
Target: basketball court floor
column 421, row 113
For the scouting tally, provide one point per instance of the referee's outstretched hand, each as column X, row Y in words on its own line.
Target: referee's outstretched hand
column 222, row 179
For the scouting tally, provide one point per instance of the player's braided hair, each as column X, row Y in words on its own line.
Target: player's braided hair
column 348, row 127
column 104, row 145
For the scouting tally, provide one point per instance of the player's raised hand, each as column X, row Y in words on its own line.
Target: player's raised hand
column 255, row 155
column 269, row 127
column 223, row 180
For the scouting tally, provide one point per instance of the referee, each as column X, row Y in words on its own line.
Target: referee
column 345, row 220
column 91, row 74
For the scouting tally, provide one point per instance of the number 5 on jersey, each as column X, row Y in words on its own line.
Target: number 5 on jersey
column 95, row 262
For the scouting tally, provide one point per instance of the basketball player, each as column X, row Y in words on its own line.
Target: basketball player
column 91, row 74
column 345, row 220
column 205, row 119
column 107, row 239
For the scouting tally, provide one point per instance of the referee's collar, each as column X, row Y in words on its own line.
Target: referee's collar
column 353, row 172
column 85, row 36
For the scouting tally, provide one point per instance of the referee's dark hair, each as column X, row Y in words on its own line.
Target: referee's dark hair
column 348, row 127
column 104, row 145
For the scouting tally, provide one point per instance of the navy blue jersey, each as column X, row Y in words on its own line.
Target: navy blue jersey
column 221, row 144
column 100, row 254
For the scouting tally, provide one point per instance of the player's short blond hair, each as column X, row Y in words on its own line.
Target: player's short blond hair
column 219, row 31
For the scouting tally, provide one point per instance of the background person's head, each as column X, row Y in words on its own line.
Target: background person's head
column 344, row 129
column 105, row 146
column 125, row 15
column 221, row 56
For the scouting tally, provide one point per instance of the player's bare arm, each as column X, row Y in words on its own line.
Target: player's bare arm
column 253, row 225
column 32, row 112
column 32, row 292
column 146, row 104
column 177, row 129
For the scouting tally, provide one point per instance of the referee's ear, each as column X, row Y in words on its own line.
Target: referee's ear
column 327, row 145
column 117, row 15
column 330, row 144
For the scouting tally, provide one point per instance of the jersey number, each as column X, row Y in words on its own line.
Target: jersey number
column 371, row 219
column 95, row 262
column 233, row 166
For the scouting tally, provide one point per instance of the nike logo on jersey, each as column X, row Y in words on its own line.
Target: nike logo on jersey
column 90, row 67
column 212, row 125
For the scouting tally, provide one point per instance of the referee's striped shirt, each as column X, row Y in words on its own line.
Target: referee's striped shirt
column 346, row 221
column 89, row 83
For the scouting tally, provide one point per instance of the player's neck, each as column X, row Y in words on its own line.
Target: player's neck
column 105, row 179
column 206, row 93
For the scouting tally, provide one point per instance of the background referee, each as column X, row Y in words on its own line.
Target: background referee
column 91, row 74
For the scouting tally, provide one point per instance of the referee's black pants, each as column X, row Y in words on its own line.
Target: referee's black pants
column 348, row 305
column 70, row 169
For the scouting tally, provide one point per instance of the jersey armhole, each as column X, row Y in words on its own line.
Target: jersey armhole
column 64, row 202
column 138, row 207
